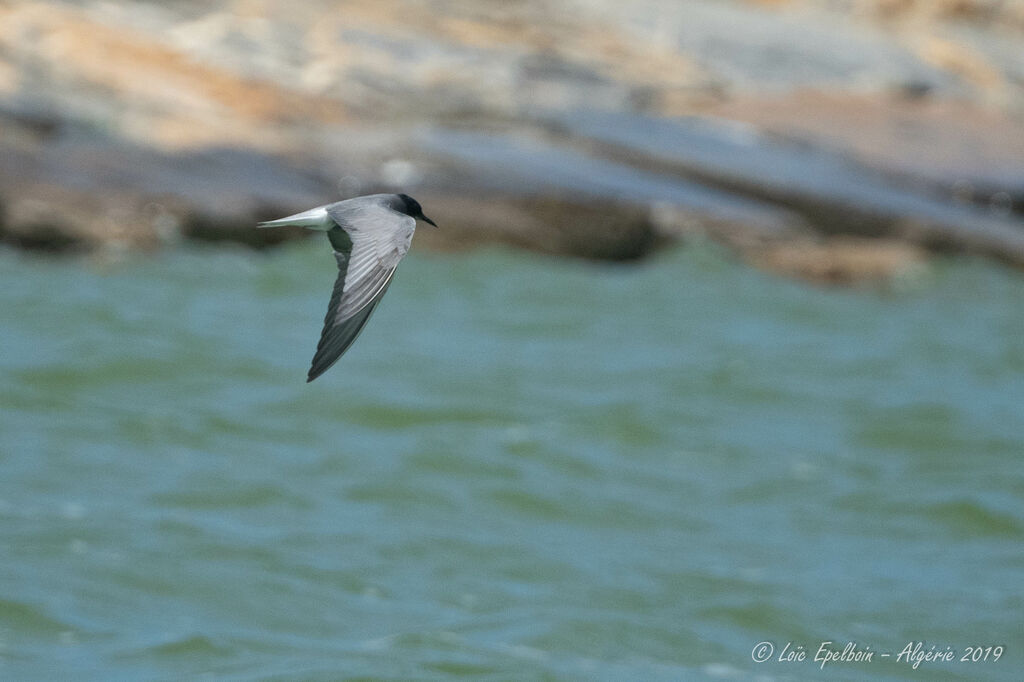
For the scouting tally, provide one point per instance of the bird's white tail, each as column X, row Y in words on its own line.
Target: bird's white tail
column 314, row 219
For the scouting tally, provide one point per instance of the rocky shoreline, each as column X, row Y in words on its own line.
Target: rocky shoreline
column 836, row 151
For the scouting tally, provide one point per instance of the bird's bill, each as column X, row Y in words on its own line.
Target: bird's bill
column 428, row 220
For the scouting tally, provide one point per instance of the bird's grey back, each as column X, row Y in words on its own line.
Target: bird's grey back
column 363, row 213
column 378, row 230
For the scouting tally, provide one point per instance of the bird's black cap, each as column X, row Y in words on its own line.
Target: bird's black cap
column 413, row 208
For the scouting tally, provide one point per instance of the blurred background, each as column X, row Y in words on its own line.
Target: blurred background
column 719, row 341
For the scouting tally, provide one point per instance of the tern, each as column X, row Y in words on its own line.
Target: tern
column 370, row 235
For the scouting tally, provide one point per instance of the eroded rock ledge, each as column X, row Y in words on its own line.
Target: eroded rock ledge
column 141, row 125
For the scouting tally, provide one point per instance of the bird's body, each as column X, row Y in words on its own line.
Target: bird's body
column 370, row 235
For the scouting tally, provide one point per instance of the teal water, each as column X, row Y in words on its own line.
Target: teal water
column 525, row 468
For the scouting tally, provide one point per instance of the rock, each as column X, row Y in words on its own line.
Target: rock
column 830, row 192
column 546, row 125
column 597, row 230
column 841, row 260
column 65, row 190
column 968, row 153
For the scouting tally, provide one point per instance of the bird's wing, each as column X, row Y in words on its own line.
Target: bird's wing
column 368, row 246
column 340, row 331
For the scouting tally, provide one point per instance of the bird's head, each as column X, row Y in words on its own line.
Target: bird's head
column 413, row 208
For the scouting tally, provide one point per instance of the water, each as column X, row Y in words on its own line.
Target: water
column 525, row 468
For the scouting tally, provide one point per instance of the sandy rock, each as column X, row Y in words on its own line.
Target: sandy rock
column 969, row 153
column 134, row 125
column 841, row 260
